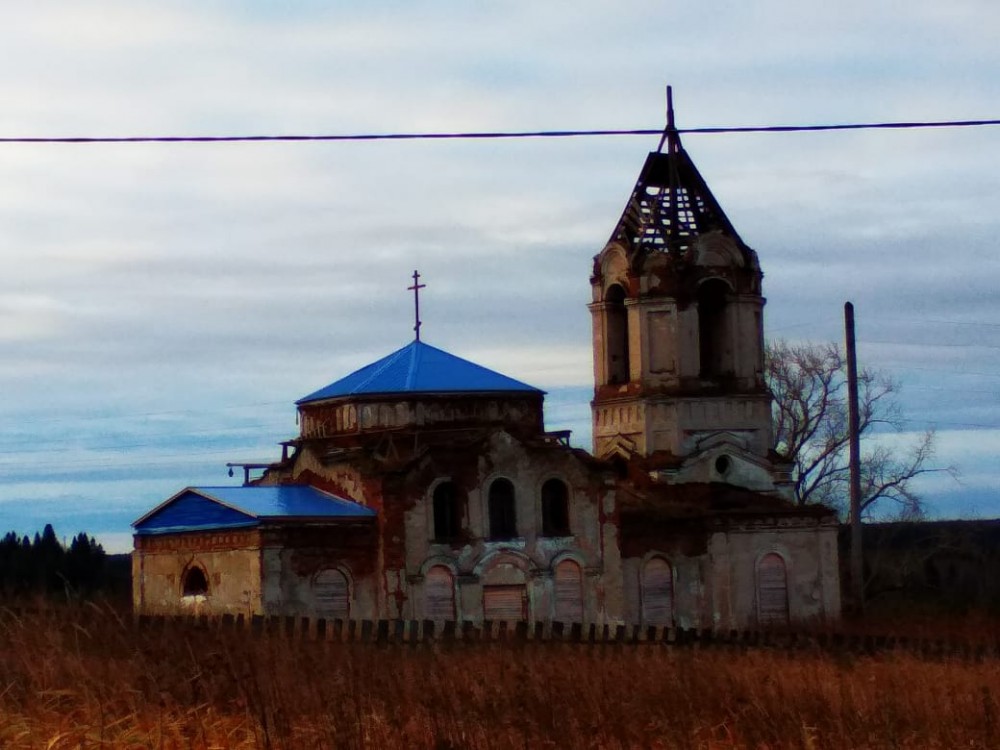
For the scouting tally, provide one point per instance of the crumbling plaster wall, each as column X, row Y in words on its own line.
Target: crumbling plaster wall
column 666, row 423
column 715, row 572
column 809, row 550
column 727, row 462
column 667, row 397
column 473, row 557
column 293, row 557
column 340, row 478
column 229, row 559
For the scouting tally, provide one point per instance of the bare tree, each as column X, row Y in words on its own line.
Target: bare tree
column 810, row 430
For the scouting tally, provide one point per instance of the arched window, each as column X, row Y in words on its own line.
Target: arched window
column 195, row 582
column 569, row 592
column 555, row 508
column 772, row 590
column 617, row 334
column 332, row 595
column 447, row 512
column 439, row 594
column 657, row 592
column 503, row 514
column 712, row 330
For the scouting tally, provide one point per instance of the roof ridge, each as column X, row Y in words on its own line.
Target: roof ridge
column 379, row 366
column 206, row 493
column 411, row 372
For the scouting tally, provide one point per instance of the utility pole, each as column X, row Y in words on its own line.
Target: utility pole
column 854, row 461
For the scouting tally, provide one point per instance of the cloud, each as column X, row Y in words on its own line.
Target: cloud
column 199, row 280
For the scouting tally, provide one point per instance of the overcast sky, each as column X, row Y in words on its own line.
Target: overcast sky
column 163, row 306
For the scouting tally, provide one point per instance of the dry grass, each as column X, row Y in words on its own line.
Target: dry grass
column 85, row 678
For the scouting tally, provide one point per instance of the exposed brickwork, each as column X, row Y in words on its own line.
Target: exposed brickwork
column 314, row 547
column 199, row 541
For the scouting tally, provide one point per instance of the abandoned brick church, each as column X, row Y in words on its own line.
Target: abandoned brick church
column 424, row 486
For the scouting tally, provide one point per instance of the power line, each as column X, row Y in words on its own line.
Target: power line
column 153, row 440
column 971, row 373
column 938, row 423
column 498, row 134
column 983, row 323
column 121, row 416
column 930, row 344
column 128, row 460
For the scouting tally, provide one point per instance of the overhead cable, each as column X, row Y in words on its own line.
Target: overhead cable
column 493, row 135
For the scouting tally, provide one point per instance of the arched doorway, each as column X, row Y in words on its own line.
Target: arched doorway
column 439, row 594
column 195, row 582
column 332, row 594
column 569, row 592
column 505, row 592
column 772, row 590
column 657, row 592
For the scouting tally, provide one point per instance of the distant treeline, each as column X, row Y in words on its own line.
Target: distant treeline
column 45, row 566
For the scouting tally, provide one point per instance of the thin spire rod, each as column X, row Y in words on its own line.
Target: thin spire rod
column 417, row 286
column 671, row 128
column 673, row 149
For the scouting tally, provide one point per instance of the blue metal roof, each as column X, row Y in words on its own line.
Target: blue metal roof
column 419, row 368
column 205, row 508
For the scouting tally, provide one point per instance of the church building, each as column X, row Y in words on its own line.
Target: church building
column 424, row 486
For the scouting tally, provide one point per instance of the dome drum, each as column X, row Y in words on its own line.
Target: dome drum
column 518, row 412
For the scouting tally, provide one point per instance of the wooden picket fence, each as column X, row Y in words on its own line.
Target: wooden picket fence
column 416, row 632
column 413, row 632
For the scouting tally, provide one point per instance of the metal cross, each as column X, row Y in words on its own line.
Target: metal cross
column 417, row 286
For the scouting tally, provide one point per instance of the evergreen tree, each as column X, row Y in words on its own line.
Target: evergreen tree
column 45, row 566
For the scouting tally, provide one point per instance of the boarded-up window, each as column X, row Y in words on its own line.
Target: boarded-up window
column 447, row 514
column 555, row 508
column 439, row 594
column 569, row 592
column 505, row 603
column 195, row 582
column 503, row 515
column 772, row 590
column 657, row 592
column 331, row 593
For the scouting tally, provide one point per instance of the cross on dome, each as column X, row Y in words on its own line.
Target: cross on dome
column 417, row 286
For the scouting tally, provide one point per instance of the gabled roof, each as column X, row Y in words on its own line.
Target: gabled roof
column 205, row 508
column 419, row 368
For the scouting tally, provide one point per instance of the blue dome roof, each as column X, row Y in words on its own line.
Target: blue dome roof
column 419, row 368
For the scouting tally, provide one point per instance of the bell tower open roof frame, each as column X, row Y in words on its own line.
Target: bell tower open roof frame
column 671, row 204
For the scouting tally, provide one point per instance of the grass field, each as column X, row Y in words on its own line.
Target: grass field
column 85, row 677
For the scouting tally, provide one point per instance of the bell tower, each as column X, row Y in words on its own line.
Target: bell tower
column 678, row 330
